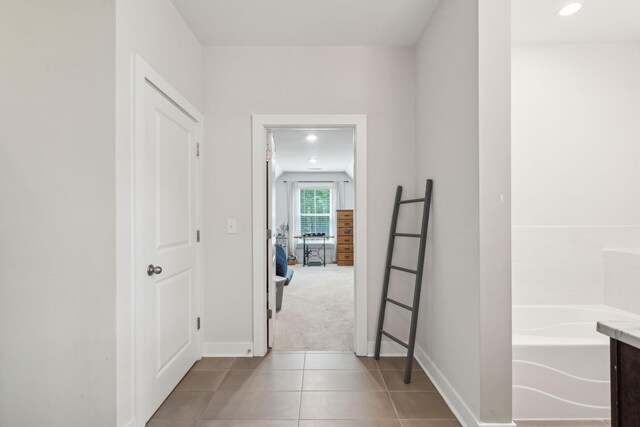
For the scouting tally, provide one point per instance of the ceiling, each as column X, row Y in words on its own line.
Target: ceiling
column 306, row 22
column 333, row 150
column 537, row 21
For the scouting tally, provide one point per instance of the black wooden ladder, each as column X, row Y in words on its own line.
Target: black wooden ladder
column 410, row 346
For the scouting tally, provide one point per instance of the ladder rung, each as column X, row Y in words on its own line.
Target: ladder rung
column 406, row 270
column 399, row 304
column 386, row 334
column 402, row 202
column 406, row 235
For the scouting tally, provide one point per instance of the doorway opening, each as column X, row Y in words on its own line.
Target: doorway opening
column 313, row 194
column 316, row 224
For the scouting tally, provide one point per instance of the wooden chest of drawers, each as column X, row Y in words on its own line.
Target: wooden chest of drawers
column 345, row 237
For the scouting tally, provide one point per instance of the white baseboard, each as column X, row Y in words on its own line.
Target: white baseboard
column 449, row 394
column 227, row 349
column 387, row 349
column 130, row 423
column 511, row 424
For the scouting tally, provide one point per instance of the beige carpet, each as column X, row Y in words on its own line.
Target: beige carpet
column 317, row 310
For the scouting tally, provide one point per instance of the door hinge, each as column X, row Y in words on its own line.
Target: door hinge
column 269, row 155
column 269, row 314
column 198, row 324
column 198, row 236
column 269, row 234
column 198, row 149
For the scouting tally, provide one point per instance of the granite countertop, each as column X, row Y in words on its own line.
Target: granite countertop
column 626, row 331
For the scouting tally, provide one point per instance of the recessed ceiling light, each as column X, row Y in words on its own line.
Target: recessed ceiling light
column 311, row 137
column 313, row 160
column 570, row 9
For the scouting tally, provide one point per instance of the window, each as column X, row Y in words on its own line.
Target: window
column 315, row 210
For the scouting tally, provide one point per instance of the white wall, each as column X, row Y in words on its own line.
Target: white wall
column 154, row 30
column 576, row 165
column 57, row 215
column 282, row 203
column 239, row 82
column 463, row 144
column 447, row 95
column 494, row 35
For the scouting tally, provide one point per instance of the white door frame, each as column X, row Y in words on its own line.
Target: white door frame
column 260, row 124
column 143, row 75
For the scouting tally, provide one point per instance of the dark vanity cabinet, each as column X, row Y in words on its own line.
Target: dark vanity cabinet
column 625, row 385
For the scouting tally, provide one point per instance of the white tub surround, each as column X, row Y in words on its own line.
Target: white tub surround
column 560, row 362
column 621, row 278
column 626, row 331
column 565, row 264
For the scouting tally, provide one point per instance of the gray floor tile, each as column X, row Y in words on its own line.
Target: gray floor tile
column 430, row 423
column 207, row 363
column 342, row 380
column 270, row 405
column 201, row 380
column 276, row 360
column 262, row 380
column 183, row 405
column 349, row 423
column 247, row 363
column 368, row 362
column 340, row 390
column 394, row 380
column 171, row 423
column 335, row 361
column 327, row 352
column 396, row 363
column 247, row 423
column 345, row 405
column 413, row 405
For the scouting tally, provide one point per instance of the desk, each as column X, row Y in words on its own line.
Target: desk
column 309, row 253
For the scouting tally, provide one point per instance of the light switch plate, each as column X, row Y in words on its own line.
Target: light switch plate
column 232, row 226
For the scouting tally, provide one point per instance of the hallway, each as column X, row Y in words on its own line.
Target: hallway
column 305, row 389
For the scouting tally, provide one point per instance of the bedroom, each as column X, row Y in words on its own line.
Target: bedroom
column 314, row 201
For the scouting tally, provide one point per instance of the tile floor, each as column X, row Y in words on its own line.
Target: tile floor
column 310, row 389
column 303, row 389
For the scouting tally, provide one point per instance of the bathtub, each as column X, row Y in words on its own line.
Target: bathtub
column 560, row 362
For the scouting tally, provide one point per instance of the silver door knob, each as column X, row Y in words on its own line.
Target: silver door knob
column 151, row 270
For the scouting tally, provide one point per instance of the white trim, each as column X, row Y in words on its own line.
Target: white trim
column 387, row 349
column 259, row 124
column 130, row 423
column 227, row 349
column 143, row 73
column 482, row 424
column 449, row 394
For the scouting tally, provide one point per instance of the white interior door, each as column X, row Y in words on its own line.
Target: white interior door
column 271, row 240
column 170, row 211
